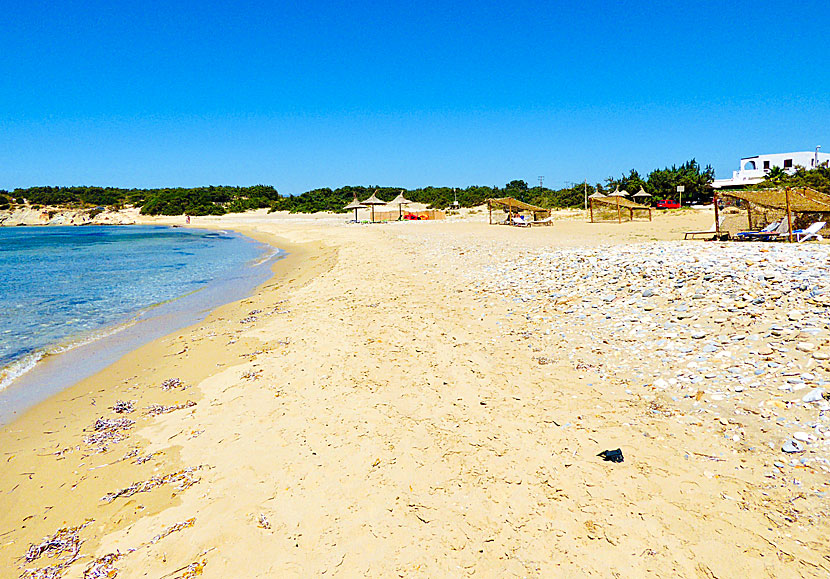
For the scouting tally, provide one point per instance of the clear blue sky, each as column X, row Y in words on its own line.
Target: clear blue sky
column 313, row 94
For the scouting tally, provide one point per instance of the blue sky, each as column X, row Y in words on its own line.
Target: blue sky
column 316, row 94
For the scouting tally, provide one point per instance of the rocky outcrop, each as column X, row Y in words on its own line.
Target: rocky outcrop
column 60, row 216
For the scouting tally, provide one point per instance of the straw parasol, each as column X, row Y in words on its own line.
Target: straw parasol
column 355, row 204
column 618, row 193
column 400, row 201
column 372, row 201
column 641, row 193
column 596, row 195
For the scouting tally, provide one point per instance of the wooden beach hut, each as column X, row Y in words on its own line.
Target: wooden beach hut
column 799, row 206
column 515, row 207
column 616, row 201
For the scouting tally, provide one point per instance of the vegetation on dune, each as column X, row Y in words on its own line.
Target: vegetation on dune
column 217, row 200
column 212, row 200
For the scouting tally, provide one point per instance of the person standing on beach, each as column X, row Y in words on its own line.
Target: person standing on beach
column 187, row 218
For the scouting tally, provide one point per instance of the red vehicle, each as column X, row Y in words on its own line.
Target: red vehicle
column 667, row 204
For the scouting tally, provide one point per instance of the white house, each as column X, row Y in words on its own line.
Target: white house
column 754, row 169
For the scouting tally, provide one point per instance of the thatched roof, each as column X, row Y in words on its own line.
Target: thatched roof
column 641, row 193
column 618, row 193
column 802, row 200
column 511, row 203
column 373, row 200
column 400, row 200
column 355, row 205
column 619, row 200
column 596, row 195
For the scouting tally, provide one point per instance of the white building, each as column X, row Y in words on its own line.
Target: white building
column 754, row 169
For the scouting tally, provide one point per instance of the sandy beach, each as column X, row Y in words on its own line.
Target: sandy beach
column 428, row 399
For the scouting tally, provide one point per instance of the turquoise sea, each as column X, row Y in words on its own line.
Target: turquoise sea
column 65, row 288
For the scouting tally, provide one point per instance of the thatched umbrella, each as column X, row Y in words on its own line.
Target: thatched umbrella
column 355, row 204
column 400, row 201
column 372, row 201
column 641, row 194
column 618, row 193
column 596, row 195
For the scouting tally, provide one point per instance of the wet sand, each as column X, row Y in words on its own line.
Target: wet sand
column 369, row 412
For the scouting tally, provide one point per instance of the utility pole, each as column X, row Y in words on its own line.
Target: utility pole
column 541, row 179
column 585, row 184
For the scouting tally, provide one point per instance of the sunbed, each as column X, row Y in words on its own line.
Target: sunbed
column 765, row 234
column 711, row 231
column 809, row 233
column 519, row 222
column 546, row 221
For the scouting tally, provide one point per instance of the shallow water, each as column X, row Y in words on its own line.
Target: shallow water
column 112, row 286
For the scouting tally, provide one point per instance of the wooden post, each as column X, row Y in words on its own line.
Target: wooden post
column 619, row 217
column 490, row 210
column 749, row 215
column 789, row 213
column 717, row 219
column 591, row 205
column 649, row 213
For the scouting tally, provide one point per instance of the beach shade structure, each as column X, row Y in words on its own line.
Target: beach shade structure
column 641, row 195
column 617, row 202
column 596, row 195
column 513, row 206
column 355, row 204
column 618, row 193
column 795, row 205
column 400, row 201
column 372, row 201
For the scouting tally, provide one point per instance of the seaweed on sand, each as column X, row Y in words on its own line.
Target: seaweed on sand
column 108, row 431
column 184, row 478
column 103, row 567
column 172, row 383
column 65, row 544
column 123, row 406
column 156, row 409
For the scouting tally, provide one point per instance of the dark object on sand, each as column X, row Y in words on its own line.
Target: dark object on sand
column 612, row 455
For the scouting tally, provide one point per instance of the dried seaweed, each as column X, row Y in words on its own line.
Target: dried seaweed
column 263, row 522
column 173, row 529
column 143, row 459
column 102, row 568
column 248, row 320
column 183, row 479
column 123, row 406
column 51, row 572
column 65, row 544
column 108, row 431
column 112, row 423
column 193, row 570
column 156, row 409
column 172, row 383
column 252, row 375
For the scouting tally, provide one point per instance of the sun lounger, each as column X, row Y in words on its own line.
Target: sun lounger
column 711, row 231
column 547, row 221
column 767, row 233
column 809, row 233
column 519, row 222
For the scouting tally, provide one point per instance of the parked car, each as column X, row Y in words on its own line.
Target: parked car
column 667, row 204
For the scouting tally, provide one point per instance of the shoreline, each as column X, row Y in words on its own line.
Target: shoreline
column 76, row 357
column 59, row 423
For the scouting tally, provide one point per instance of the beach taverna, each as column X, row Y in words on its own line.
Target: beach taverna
column 514, row 207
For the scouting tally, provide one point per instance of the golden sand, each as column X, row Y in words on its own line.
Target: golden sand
column 362, row 415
